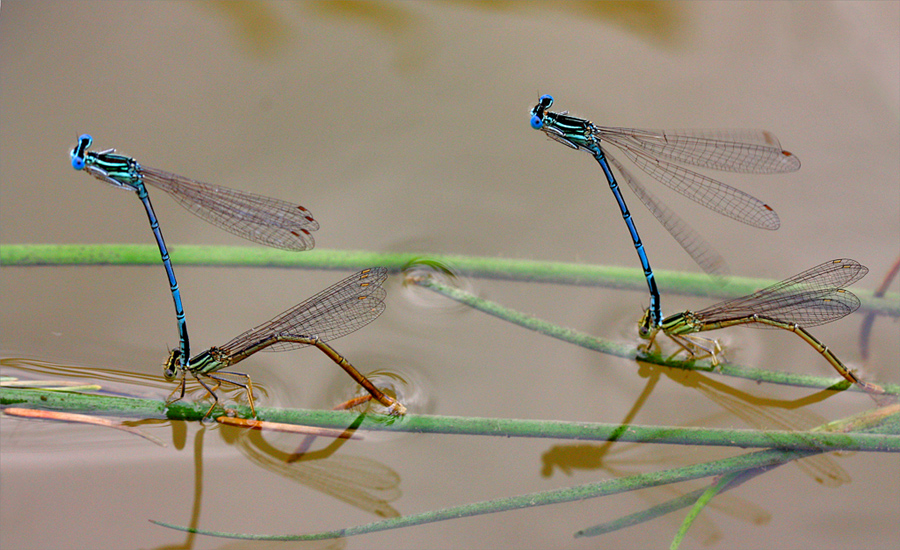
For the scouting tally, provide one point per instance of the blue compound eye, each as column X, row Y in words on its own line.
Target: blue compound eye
column 546, row 101
column 77, row 162
column 536, row 123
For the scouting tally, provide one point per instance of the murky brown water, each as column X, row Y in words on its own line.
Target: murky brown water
column 404, row 127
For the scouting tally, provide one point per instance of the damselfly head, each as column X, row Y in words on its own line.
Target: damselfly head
column 537, row 113
column 646, row 326
column 78, row 153
column 173, row 362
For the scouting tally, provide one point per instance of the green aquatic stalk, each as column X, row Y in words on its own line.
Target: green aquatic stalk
column 705, row 498
column 456, row 425
column 643, row 516
column 531, row 500
column 734, row 479
column 692, row 284
column 882, row 420
column 879, row 421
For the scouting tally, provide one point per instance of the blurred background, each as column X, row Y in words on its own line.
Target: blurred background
column 403, row 126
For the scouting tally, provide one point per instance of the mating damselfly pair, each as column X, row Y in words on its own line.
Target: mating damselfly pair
column 358, row 300
column 811, row 298
column 339, row 310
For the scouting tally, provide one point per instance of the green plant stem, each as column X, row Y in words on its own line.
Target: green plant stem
column 883, row 420
column 704, row 499
column 643, row 516
column 498, row 427
column 694, row 284
column 734, row 479
column 761, row 460
column 544, row 498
